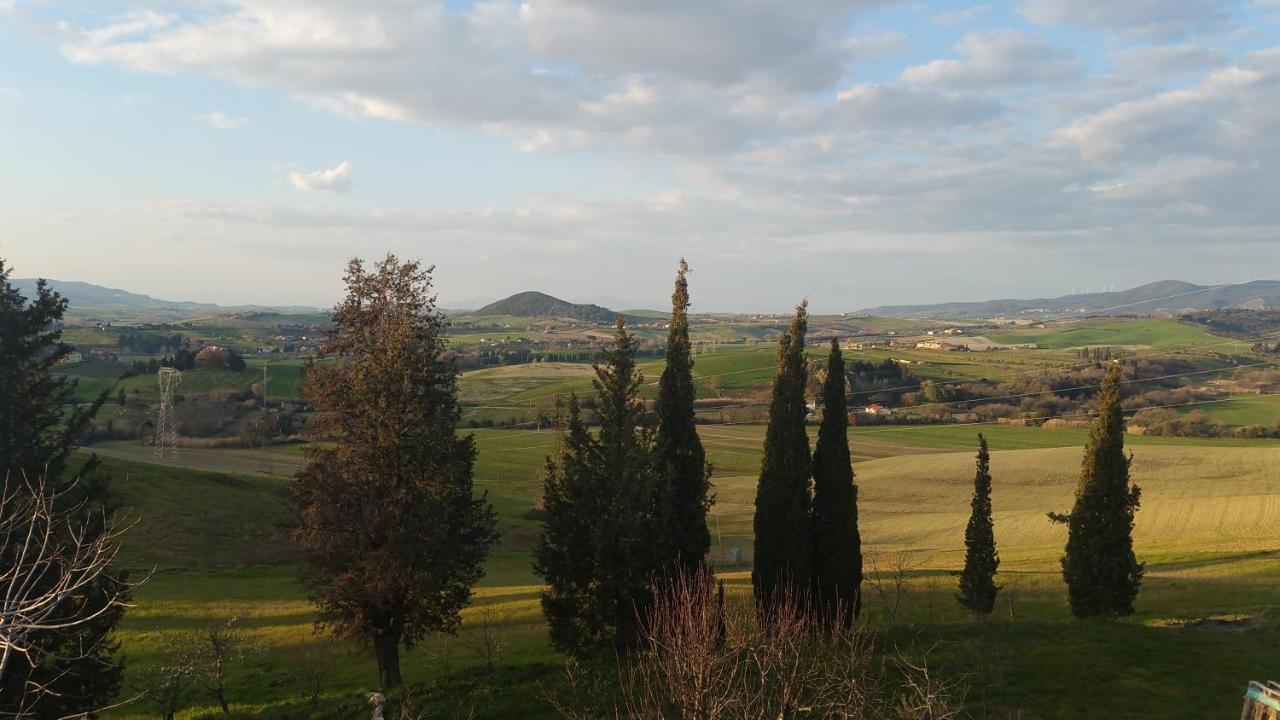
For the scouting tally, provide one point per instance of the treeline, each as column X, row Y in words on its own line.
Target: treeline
column 1236, row 321
column 209, row 358
column 1145, row 382
column 150, row 343
column 524, row 354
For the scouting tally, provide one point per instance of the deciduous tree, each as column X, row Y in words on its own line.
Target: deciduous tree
column 392, row 532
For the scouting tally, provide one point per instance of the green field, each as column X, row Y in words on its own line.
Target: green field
column 284, row 379
column 1243, row 410
column 1209, row 528
column 1148, row 333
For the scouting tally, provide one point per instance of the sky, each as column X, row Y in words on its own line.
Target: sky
column 852, row 152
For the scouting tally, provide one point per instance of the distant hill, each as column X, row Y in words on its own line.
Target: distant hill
column 536, row 304
column 1158, row 298
column 86, row 297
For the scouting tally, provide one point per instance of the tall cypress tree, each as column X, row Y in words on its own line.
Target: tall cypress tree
column 783, row 525
column 79, row 668
column 1100, row 569
column 837, row 544
column 599, row 552
column 681, row 462
column 977, row 582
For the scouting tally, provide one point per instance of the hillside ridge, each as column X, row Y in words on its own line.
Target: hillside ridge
column 532, row 303
column 1156, row 298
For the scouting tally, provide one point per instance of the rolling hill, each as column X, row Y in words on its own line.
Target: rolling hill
column 1166, row 296
column 86, row 297
column 532, row 303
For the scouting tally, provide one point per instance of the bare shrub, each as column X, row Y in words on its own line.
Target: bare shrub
column 166, row 687
column 488, row 641
column 890, row 577
column 218, row 646
column 54, row 560
column 922, row 695
column 704, row 659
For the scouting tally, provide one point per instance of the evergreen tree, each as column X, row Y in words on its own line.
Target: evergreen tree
column 599, row 551
column 1100, row 569
column 79, row 669
column 837, row 560
column 681, row 462
column 783, row 523
column 977, row 582
column 392, row 535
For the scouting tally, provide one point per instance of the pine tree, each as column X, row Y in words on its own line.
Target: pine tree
column 1100, row 569
column 977, row 581
column 837, row 544
column 80, row 669
column 783, row 523
column 391, row 531
column 599, row 551
column 681, row 460
column 567, row 551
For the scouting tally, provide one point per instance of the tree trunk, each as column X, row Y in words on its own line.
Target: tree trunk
column 387, row 650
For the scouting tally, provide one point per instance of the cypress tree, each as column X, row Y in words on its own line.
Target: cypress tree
column 681, row 461
column 783, row 524
column 837, row 560
column 599, row 552
column 566, row 553
column 1100, row 569
column 977, row 582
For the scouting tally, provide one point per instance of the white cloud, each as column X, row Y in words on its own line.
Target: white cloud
column 1164, row 62
column 222, row 121
column 337, row 179
column 771, row 131
column 958, row 17
column 894, row 107
column 1143, row 18
column 793, row 44
column 1000, row 59
column 1229, row 113
column 547, row 74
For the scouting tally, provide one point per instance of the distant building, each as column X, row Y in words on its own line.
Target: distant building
column 876, row 409
column 72, row 357
column 105, row 353
column 939, row 345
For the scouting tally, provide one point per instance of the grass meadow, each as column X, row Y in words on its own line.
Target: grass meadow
column 1209, row 530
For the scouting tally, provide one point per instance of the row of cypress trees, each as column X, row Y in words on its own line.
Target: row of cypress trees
column 627, row 504
column 807, row 542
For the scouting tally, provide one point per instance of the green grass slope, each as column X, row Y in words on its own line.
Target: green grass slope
column 1150, row 333
column 1209, row 527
